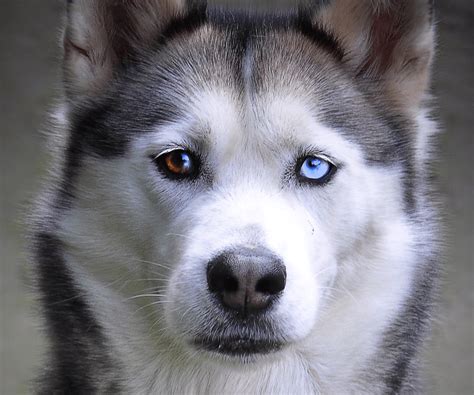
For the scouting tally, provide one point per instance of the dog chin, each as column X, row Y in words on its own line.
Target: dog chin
column 238, row 349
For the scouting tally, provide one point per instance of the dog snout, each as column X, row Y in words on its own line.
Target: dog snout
column 246, row 281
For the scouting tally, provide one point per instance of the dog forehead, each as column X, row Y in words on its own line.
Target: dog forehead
column 217, row 73
column 242, row 89
column 249, row 65
column 281, row 67
column 233, row 77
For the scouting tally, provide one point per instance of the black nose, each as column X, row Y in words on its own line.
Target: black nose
column 246, row 280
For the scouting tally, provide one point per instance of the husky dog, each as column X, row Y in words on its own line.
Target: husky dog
column 240, row 203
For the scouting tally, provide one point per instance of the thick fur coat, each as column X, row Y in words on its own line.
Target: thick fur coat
column 125, row 241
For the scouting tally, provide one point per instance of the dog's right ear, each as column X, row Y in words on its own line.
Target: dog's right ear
column 101, row 35
column 389, row 42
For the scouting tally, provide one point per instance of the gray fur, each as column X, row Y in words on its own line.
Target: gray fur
column 168, row 65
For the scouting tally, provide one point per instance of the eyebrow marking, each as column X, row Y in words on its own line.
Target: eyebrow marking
column 318, row 35
column 187, row 24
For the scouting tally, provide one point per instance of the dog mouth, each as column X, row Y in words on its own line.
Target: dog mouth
column 238, row 346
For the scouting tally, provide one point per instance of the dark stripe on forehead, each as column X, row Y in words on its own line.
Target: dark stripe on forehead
column 187, row 24
column 255, row 24
column 318, row 35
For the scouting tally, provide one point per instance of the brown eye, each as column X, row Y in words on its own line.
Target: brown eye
column 178, row 164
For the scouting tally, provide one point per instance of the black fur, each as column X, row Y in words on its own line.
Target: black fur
column 255, row 24
column 405, row 337
column 103, row 127
column 195, row 18
column 318, row 35
column 79, row 353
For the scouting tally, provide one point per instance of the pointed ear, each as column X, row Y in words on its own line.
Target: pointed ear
column 101, row 34
column 390, row 41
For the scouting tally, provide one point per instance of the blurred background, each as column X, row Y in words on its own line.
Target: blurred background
column 29, row 77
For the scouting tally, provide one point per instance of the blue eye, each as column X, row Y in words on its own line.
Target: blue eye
column 314, row 169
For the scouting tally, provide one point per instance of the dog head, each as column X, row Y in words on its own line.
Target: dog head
column 246, row 168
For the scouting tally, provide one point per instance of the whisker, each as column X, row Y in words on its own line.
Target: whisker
column 153, row 263
column 152, row 304
column 343, row 290
column 350, row 294
column 179, row 235
column 154, row 324
column 323, row 270
column 92, row 273
column 146, row 296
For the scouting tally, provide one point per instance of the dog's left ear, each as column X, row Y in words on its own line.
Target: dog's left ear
column 386, row 41
column 102, row 35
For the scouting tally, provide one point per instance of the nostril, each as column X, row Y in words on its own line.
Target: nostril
column 220, row 277
column 247, row 282
column 230, row 284
column 272, row 283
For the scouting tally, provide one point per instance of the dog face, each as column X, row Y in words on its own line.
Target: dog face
column 247, row 171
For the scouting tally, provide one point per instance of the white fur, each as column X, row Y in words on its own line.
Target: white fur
column 138, row 244
column 347, row 247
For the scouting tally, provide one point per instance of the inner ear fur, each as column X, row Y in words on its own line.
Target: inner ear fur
column 101, row 34
column 387, row 41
